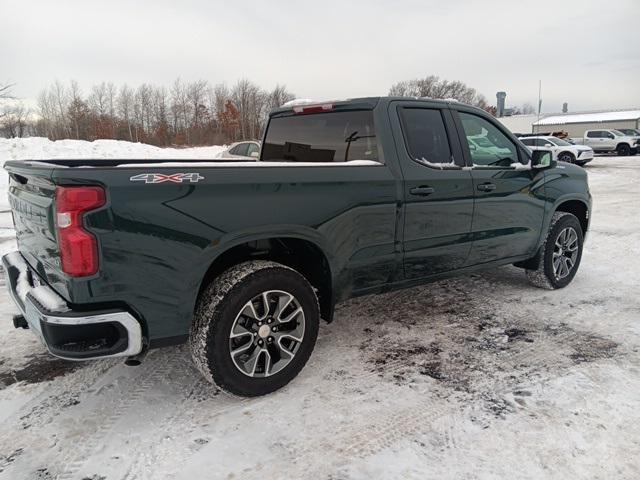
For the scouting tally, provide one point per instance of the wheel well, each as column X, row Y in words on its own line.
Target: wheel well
column 567, row 152
column 301, row 255
column 577, row 208
column 622, row 144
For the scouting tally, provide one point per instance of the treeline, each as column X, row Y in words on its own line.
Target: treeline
column 434, row 87
column 187, row 113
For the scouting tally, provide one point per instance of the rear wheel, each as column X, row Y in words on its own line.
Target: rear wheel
column 623, row 150
column 255, row 327
column 566, row 157
column 559, row 258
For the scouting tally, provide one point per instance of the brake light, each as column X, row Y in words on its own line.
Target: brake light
column 325, row 107
column 78, row 247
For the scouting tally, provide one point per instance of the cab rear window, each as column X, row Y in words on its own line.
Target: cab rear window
column 321, row 137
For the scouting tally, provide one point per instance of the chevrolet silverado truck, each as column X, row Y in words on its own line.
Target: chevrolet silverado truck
column 609, row 141
column 242, row 259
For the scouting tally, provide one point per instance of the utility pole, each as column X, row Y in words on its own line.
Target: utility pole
column 539, row 98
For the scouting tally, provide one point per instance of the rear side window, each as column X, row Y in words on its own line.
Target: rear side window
column 321, row 137
column 594, row 134
column 426, row 136
column 252, row 148
column 528, row 141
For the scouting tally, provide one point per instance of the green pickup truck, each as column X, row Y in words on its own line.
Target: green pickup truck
column 241, row 259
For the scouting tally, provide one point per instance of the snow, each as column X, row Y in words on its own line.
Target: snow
column 441, row 166
column 521, row 166
column 590, row 117
column 480, row 376
column 49, row 299
column 299, row 101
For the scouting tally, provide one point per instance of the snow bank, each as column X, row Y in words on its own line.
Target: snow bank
column 38, row 148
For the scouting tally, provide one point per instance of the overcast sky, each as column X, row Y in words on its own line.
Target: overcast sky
column 586, row 53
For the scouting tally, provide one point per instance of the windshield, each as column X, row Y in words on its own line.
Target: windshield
column 321, row 137
column 617, row 133
column 559, row 142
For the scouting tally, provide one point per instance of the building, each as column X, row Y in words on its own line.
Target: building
column 519, row 123
column 575, row 124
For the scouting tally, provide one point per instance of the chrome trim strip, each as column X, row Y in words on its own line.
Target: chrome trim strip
column 33, row 315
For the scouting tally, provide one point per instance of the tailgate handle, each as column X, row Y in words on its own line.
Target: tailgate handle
column 422, row 191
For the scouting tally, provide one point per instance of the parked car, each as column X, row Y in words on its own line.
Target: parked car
column 241, row 261
column 249, row 150
column 607, row 141
column 631, row 132
column 560, row 150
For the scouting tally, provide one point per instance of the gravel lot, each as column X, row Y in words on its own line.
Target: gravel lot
column 474, row 377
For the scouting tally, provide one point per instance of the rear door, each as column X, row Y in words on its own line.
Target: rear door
column 509, row 197
column 438, row 193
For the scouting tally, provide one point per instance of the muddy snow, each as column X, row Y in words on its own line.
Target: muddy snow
column 476, row 377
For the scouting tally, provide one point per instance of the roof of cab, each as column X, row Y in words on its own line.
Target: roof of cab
column 364, row 103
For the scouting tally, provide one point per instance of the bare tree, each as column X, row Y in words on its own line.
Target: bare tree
column 125, row 108
column 433, row 87
column 14, row 122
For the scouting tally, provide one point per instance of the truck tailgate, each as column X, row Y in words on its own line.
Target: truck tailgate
column 31, row 196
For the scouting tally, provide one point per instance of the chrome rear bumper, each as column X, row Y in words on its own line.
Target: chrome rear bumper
column 69, row 334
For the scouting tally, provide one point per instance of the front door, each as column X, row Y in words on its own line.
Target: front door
column 438, row 193
column 509, row 195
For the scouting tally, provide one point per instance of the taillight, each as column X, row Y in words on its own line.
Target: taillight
column 325, row 107
column 78, row 247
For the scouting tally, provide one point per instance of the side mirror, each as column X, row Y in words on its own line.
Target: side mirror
column 472, row 147
column 542, row 159
column 254, row 154
column 548, row 145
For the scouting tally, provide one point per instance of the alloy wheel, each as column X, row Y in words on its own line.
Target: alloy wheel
column 267, row 333
column 565, row 253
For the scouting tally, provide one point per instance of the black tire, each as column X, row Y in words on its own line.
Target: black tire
column 218, row 310
column 544, row 275
column 567, row 157
column 623, row 150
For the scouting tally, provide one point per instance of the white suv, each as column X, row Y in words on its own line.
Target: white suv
column 560, row 150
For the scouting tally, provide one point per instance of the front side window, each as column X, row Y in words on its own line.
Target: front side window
column 240, row 149
column 426, row 136
column 488, row 146
column 321, row 137
column 559, row 142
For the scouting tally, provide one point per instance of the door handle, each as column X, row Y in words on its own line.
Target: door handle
column 422, row 191
column 486, row 187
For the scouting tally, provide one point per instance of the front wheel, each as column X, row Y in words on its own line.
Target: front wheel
column 566, row 157
column 255, row 327
column 559, row 258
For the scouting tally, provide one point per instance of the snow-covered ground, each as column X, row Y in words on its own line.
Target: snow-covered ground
column 482, row 376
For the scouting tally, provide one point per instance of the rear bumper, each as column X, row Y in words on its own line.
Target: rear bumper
column 68, row 333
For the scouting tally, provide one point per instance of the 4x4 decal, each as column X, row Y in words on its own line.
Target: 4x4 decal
column 162, row 178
